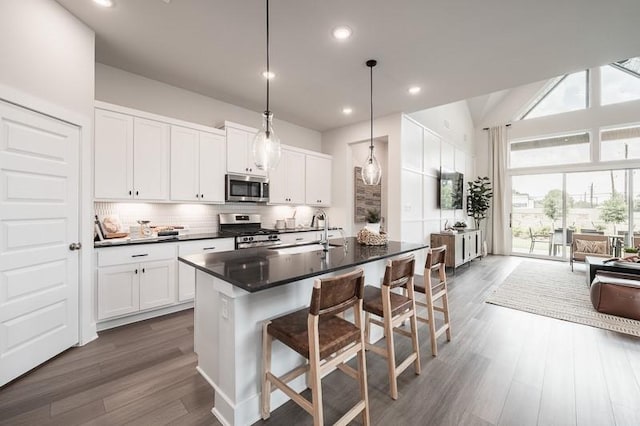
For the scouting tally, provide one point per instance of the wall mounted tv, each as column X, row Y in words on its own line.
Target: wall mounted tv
column 451, row 190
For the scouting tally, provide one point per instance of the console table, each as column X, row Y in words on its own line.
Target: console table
column 462, row 247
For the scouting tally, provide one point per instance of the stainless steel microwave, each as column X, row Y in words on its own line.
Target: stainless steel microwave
column 245, row 188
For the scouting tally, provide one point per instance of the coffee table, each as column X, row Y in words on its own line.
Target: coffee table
column 597, row 264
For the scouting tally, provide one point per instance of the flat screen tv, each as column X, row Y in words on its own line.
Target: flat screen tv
column 451, row 190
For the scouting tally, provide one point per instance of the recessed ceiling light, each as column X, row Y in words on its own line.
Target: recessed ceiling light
column 268, row 75
column 342, row 32
column 414, row 90
column 104, row 3
column 347, row 110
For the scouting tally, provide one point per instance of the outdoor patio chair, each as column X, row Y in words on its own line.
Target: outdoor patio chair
column 537, row 238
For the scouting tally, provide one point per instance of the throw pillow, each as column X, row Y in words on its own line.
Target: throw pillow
column 595, row 247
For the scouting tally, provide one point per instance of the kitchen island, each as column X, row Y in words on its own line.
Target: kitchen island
column 236, row 291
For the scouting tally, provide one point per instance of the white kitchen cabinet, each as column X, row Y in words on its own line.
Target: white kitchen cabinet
column 317, row 180
column 198, row 164
column 118, row 291
column 135, row 278
column 131, row 157
column 157, row 284
column 299, row 237
column 240, row 150
column 186, row 273
column 287, row 181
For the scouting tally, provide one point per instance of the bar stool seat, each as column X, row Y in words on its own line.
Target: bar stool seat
column 372, row 301
column 334, row 333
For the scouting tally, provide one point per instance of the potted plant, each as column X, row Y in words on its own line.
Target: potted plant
column 629, row 251
column 373, row 220
column 479, row 196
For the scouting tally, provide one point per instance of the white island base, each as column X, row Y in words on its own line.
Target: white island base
column 228, row 339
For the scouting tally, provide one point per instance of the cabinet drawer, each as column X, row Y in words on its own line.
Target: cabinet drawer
column 135, row 254
column 298, row 237
column 205, row 246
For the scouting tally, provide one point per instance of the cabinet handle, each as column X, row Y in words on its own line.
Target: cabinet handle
column 143, row 270
column 137, row 193
column 250, row 169
column 140, row 255
column 208, row 248
column 130, row 192
column 136, row 271
column 197, row 196
column 299, row 239
column 201, row 195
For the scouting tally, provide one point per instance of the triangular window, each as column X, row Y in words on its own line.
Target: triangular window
column 562, row 94
column 620, row 81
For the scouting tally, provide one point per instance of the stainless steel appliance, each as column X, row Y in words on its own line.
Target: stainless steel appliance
column 247, row 230
column 245, row 188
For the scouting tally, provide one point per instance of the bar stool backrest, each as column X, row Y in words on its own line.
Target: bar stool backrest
column 399, row 272
column 337, row 294
column 436, row 257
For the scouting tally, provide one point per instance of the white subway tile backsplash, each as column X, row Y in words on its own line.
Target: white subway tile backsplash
column 197, row 217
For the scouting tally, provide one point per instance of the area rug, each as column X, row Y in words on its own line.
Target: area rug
column 552, row 290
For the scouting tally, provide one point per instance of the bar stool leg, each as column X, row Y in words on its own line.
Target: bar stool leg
column 445, row 306
column 314, row 373
column 432, row 322
column 414, row 340
column 367, row 328
column 388, row 334
column 362, row 367
column 266, row 362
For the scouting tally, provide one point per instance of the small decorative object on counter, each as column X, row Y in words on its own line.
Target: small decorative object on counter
column 112, row 223
column 460, row 225
column 290, row 223
column 145, row 228
column 369, row 238
column 373, row 220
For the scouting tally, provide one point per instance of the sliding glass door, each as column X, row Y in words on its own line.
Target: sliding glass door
column 547, row 209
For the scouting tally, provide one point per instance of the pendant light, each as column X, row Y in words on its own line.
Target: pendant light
column 266, row 144
column 371, row 171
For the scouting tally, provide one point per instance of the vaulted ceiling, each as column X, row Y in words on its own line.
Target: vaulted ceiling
column 454, row 50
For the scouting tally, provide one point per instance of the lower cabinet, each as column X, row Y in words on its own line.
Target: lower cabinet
column 461, row 248
column 186, row 273
column 126, row 289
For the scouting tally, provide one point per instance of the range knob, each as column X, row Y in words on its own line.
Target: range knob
column 245, row 239
column 250, row 238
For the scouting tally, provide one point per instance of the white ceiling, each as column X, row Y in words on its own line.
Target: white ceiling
column 455, row 49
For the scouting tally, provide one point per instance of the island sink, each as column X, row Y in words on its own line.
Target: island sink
column 303, row 248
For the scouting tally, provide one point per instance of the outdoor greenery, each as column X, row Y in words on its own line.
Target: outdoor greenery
column 614, row 210
column 479, row 199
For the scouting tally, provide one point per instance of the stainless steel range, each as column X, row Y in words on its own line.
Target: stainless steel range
column 247, row 230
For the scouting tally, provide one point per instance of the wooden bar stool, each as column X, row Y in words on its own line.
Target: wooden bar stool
column 326, row 340
column 433, row 292
column 394, row 309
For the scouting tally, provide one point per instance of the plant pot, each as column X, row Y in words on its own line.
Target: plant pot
column 373, row 227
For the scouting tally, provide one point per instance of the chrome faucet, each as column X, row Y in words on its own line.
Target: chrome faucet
column 325, row 239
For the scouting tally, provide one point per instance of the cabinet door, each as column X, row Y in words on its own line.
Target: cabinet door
column 113, row 155
column 318, row 181
column 213, row 164
column 459, row 249
column 150, row 160
column 237, row 149
column 157, row 283
column 118, row 290
column 186, row 273
column 296, row 169
column 278, row 185
column 185, row 164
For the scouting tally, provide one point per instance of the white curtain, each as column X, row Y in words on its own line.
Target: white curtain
column 498, row 146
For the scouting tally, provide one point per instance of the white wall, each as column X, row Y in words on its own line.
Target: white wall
column 47, row 65
column 120, row 87
column 452, row 122
column 337, row 142
column 47, row 53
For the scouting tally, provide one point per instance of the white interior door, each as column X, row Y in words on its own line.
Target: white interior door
column 39, row 167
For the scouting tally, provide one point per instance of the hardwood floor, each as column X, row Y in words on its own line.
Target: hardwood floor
column 503, row 367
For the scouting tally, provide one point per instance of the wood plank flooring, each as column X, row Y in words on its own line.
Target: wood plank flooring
column 503, row 367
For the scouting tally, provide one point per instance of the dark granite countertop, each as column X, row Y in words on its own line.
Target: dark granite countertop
column 167, row 239
column 262, row 268
column 301, row 229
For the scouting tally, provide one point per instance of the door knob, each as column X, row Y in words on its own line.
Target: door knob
column 75, row 246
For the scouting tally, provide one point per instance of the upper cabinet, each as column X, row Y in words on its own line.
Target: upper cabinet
column 287, row 181
column 131, row 157
column 240, row 150
column 198, row 164
column 318, row 180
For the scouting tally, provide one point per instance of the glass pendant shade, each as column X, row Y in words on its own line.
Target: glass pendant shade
column 266, row 146
column 371, row 170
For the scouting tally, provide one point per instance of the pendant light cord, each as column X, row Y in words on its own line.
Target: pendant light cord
column 371, row 105
column 268, row 75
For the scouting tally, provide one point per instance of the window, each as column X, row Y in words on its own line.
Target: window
column 562, row 94
column 620, row 144
column 565, row 149
column 620, row 81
